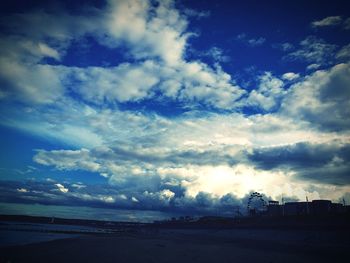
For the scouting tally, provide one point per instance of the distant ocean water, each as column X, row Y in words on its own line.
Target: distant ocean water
column 81, row 212
column 14, row 238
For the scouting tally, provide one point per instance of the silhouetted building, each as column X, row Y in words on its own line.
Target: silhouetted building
column 296, row 208
column 337, row 208
column 321, row 207
column 316, row 207
column 274, row 208
column 347, row 209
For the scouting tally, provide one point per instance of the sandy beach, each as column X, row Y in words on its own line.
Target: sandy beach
column 186, row 245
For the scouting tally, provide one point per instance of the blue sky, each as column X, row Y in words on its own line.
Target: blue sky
column 178, row 106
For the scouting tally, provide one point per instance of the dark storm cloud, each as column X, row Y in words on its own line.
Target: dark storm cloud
column 299, row 155
column 327, row 163
column 109, row 196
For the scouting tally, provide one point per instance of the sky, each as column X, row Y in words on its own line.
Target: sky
column 173, row 106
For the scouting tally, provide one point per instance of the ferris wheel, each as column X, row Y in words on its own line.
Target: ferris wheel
column 256, row 203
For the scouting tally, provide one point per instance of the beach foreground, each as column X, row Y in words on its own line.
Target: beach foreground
column 188, row 245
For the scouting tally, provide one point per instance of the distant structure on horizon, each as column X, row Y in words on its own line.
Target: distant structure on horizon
column 315, row 207
column 274, row 208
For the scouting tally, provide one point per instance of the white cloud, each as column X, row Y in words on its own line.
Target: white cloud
column 69, row 159
column 344, row 53
column 217, row 54
column 107, row 199
column 47, row 51
column 256, row 42
column 286, row 46
column 191, row 151
column 217, row 180
column 328, row 21
column 156, row 39
column 314, row 50
column 155, row 31
column 167, row 194
column 189, row 82
column 322, row 99
column 347, row 24
column 62, row 188
column 79, row 185
column 30, row 83
column 290, row 76
column 134, row 199
column 123, row 83
column 270, row 90
column 22, row 190
column 313, row 66
column 197, row 14
column 253, row 42
column 61, row 123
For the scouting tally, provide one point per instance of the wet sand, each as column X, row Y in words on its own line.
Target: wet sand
column 186, row 245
